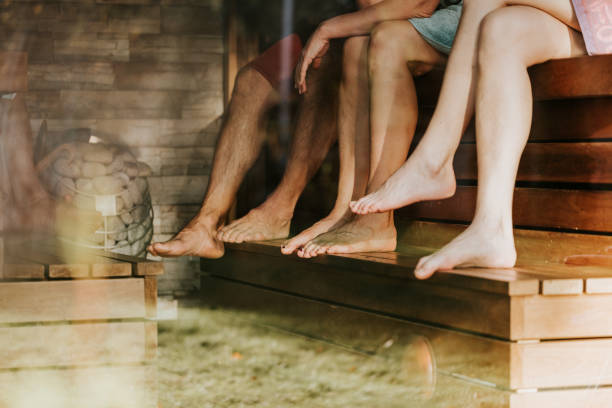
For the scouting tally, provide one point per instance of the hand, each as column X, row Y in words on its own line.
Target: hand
column 315, row 49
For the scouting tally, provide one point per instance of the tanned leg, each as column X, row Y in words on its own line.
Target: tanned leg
column 512, row 39
column 353, row 124
column 237, row 149
column 428, row 173
column 315, row 131
column 396, row 49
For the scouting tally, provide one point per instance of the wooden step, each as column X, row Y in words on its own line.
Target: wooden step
column 501, row 364
column 525, row 303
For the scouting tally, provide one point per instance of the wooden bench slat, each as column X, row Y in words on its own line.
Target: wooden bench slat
column 572, row 77
column 547, row 364
column 534, row 207
column 140, row 266
column 72, row 300
column 398, row 265
column 550, row 162
column 100, row 266
column 533, row 247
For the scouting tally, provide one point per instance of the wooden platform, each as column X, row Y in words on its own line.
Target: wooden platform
column 529, row 328
column 76, row 323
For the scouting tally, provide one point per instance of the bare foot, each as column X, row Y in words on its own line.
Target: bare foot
column 196, row 239
column 260, row 224
column 410, row 183
column 480, row 246
column 374, row 232
column 332, row 221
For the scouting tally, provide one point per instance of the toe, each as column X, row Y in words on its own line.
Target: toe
column 426, row 268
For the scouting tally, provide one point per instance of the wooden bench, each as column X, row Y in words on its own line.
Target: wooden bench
column 545, row 323
column 76, row 323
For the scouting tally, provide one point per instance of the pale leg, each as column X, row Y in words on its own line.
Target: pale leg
column 428, row 173
column 512, row 39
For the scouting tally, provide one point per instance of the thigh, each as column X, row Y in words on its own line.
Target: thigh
column 401, row 38
column 562, row 10
column 530, row 34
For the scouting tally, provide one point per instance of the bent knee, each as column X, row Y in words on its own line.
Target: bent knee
column 248, row 79
column 390, row 37
column 503, row 34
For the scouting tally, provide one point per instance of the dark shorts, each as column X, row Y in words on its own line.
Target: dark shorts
column 278, row 62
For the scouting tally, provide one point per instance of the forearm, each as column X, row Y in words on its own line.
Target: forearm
column 363, row 21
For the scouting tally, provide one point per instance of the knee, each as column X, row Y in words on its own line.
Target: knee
column 386, row 45
column 353, row 56
column 499, row 36
column 247, row 80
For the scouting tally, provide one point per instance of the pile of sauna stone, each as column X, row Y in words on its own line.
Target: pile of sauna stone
column 108, row 179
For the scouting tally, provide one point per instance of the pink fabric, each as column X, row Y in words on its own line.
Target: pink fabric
column 595, row 18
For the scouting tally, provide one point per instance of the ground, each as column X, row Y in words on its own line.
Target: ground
column 214, row 358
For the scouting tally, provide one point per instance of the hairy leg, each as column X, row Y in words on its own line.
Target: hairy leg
column 315, row 131
column 353, row 123
column 512, row 39
column 396, row 52
column 238, row 147
column 428, row 173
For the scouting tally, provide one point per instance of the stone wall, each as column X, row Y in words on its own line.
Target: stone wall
column 144, row 73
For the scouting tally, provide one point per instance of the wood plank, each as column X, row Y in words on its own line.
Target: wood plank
column 532, row 246
column 538, row 207
column 72, row 300
column 596, row 260
column 401, row 265
column 559, row 286
column 572, row 78
column 150, row 288
column 572, row 119
column 73, row 345
column 598, row 285
column 550, row 162
column 549, row 364
column 560, row 317
column 101, row 266
column 18, row 269
column 416, row 300
column 128, row 386
column 13, row 71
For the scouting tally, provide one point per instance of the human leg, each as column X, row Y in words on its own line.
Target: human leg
column 512, row 39
column 428, row 173
column 396, row 53
column 315, row 131
column 353, row 124
column 238, row 146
